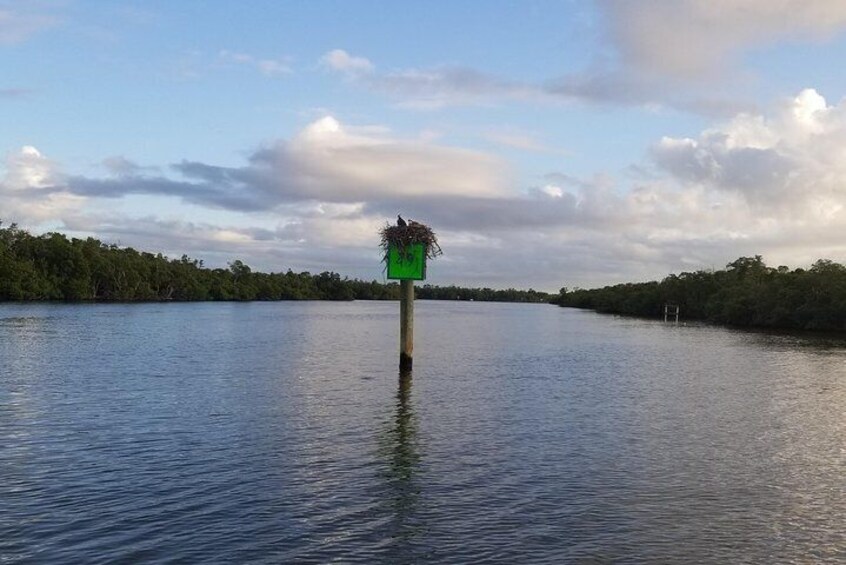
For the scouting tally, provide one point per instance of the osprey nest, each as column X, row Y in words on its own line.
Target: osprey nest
column 402, row 236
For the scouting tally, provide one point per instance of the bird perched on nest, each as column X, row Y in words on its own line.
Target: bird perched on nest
column 400, row 221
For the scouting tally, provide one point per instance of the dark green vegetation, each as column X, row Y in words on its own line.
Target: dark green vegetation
column 480, row 294
column 746, row 293
column 53, row 267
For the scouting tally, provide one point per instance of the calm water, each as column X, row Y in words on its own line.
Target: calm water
column 281, row 433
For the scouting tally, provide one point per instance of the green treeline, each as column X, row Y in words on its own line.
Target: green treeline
column 53, row 267
column 746, row 293
column 480, row 294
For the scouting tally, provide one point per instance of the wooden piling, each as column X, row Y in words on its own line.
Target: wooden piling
column 671, row 310
column 406, row 324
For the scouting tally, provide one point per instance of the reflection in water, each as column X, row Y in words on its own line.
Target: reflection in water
column 403, row 459
column 542, row 435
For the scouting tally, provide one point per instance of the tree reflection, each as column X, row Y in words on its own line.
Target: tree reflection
column 402, row 455
column 404, row 434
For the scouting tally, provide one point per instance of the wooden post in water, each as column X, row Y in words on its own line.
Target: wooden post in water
column 407, row 245
column 671, row 310
column 406, row 325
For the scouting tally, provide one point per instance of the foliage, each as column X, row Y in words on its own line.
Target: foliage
column 746, row 293
column 53, row 267
column 480, row 294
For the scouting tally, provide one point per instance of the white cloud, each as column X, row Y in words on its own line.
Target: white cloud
column 791, row 165
column 119, row 165
column 619, row 85
column 326, row 161
column 661, row 53
column 272, row 67
column 337, row 163
column 771, row 184
column 18, row 24
column 524, row 141
column 334, row 233
column 28, row 168
column 294, row 244
column 15, row 93
column 31, row 189
column 552, row 191
column 444, row 86
column 267, row 67
column 340, row 60
column 231, row 57
column 217, row 244
column 430, row 88
column 694, row 38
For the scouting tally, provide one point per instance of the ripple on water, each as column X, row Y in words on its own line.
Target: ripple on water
column 270, row 433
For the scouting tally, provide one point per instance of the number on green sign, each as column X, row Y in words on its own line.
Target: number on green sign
column 407, row 263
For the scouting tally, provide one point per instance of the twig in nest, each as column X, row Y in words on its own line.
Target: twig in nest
column 403, row 236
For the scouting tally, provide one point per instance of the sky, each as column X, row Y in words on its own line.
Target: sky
column 547, row 143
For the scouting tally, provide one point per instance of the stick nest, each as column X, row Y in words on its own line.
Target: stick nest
column 403, row 236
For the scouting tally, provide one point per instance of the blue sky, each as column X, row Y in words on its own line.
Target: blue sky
column 548, row 143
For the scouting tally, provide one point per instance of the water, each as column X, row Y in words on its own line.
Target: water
column 281, row 433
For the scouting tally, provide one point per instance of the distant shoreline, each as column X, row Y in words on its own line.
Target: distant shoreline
column 53, row 268
column 746, row 294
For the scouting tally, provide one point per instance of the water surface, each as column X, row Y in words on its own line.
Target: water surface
column 281, row 432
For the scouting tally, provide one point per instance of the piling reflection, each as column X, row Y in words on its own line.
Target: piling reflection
column 402, row 455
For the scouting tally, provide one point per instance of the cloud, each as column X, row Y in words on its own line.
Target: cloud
column 28, row 169
column 771, row 184
column 446, row 86
column 340, row 60
column 326, row 161
column 32, row 189
column 190, row 235
column 430, row 88
column 219, row 195
column 267, row 67
column 15, row 93
column 330, row 161
column 450, row 86
column 621, row 86
column 17, row 24
column 310, row 244
column 523, row 141
column 658, row 54
column 695, row 38
column 789, row 164
column 118, row 165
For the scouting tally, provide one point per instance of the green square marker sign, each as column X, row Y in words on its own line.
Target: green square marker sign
column 407, row 263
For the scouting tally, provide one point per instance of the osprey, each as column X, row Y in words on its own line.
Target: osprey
column 400, row 221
